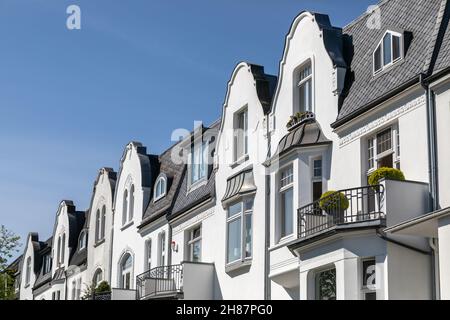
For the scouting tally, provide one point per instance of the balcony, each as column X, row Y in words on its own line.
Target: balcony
column 364, row 207
column 384, row 205
column 188, row 280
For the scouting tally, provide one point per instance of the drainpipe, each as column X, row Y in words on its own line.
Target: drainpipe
column 435, row 268
column 432, row 171
column 267, row 286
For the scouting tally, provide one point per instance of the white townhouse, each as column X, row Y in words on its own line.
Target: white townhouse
column 100, row 222
column 326, row 182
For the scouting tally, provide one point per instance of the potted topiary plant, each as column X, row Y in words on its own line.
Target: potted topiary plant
column 334, row 203
column 385, row 173
column 103, row 287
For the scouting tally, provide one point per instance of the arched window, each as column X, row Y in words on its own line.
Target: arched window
column 131, row 210
column 160, row 188
column 97, row 225
column 102, row 230
column 58, row 252
column 82, row 240
column 125, row 207
column 63, row 247
column 28, row 271
column 98, row 277
column 126, row 267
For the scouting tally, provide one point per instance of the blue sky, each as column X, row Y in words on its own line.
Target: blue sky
column 138, row 69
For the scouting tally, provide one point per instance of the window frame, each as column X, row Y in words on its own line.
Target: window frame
column 148, row 254
column 314, row 178
column 242, row 214
column 240, row 155
column 128, row 271
column 301, row 83
column 162, row 249
column 202, row 167
column 192, row 241
column 283, row 189
column 317, row 273
column 371, row 148
column 365, row 289
column 159, row 181
column 82, row 240
column 380, row 46
column 28, row 272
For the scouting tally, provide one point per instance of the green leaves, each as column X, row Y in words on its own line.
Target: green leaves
column 9, row 244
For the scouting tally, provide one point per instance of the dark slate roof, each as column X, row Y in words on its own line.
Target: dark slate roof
column 60, row 274
column 173, row 173
column 42, row 278
column 305, row 134
column 418, row 20
column 442, row 36
column 240, row 184
column 79, row 257
column 265, row 86
column 186, row 199
column 15, row 265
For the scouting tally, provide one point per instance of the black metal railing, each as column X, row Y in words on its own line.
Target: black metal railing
column 160, row 281
column 348, row 206
column 101, row 296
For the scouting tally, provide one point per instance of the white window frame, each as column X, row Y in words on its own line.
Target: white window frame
column 82, row 241
column 242, row 214
column 161, row 181
column 28, row 271
column 148, row 254
column 162, row 249
column 47, row 264
column 95, row 279
column 381, row 46
column 282, row 190
column 126, row 271
column 192, row 241
column 372, row 143
column 314, row 178
column 240, row 133
column 302, row 82
column 203, row 148
column 102, row 222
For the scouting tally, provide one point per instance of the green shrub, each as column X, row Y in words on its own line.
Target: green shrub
column 385, row 173
column 103, row 287
column 331, row 200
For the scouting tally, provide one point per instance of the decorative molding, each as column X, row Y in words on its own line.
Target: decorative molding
column 284, row 263
column 194, row 220
column 375, row 124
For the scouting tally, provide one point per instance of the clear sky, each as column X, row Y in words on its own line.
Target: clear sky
column 70, row 100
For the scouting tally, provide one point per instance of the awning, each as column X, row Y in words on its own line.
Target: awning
column 239, row 185
column 306, row 135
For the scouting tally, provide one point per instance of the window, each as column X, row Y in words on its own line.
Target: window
column 286, row 202
column 198, row 162
column 239, row 231
column 98, row 277
column 82, row 241
column 63, row 247
column 131, row 210
column 148, row 252
column 383, row 150
column 326, row 285
column 317, row 179
column 47, row 263
column 78, row 288
column 103, row 221
column 195, row 244
column 304, row 87
column 369, row 279
column 74, row 290
column 160, row 189
column 241, row 135
column 162, row 249
column 28, row 271
column 56, row 295
column 389, row 51
column 58, row 255
column 125, row 207
column 126, row 267
column 97, row 225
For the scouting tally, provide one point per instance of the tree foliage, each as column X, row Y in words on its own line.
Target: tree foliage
column 9, row 244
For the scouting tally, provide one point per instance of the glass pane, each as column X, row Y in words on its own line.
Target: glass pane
column 317, row 190
column 384, row 141
column 326, row 285
column 386, row 162
column 305, row 96
column 370, row 154
column 286, row 177
column 369, row 279
column 196, row 233
column 196, row 251
column 235, row 209
column 396, row 47
column 234, row 240
column 318, row 168
column 387, row 47
column 287, row 213
column 248, row 235
column 377, row 59
column 249, row 205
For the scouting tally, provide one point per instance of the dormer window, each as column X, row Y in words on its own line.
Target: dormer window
column 198, row 165
column 160, row 188
column 388, row 51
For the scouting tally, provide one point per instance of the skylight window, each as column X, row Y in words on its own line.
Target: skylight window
column 388, row 51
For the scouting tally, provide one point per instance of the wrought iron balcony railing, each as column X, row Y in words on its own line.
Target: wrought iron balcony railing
column 357, row 205
column 160, row 281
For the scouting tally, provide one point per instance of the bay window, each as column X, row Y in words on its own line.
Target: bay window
column 239, row 231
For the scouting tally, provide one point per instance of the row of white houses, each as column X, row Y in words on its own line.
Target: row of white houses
column 232, row 210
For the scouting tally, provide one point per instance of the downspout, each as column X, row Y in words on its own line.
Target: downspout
column 267, row 286
column 432, row 171
column 435, row 268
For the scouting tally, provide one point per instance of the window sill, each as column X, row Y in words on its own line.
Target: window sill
column 126, row 226
column 283, row 242
column 197, row 185
column 239, row 161
column 99, row 243
column 238, row 265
